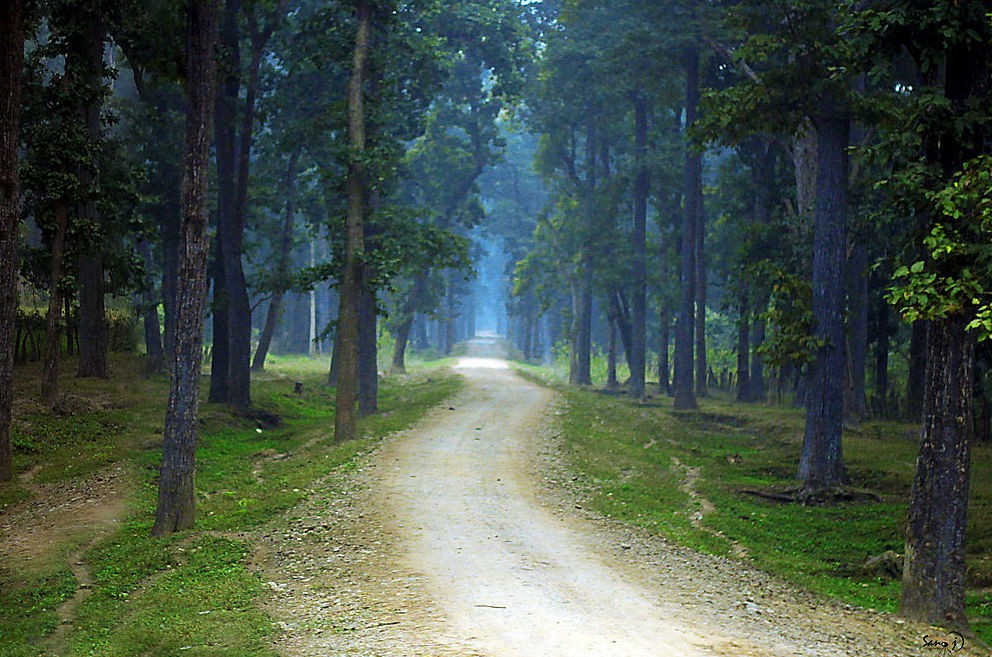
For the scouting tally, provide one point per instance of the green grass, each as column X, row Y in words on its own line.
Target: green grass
column 193, row 593
column 625, row 455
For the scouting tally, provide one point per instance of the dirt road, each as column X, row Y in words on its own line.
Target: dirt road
column 514, row 578
column 452, row 543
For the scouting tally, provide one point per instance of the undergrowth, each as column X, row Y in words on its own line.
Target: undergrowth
column 632, row 459
column 192, row 594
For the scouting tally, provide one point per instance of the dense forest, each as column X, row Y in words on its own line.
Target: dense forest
column 780, row 201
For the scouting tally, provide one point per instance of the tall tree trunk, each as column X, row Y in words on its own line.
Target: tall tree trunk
column 93, row 341
column 821, row 465
column 345, row 419
column 176, row 498
column 685, row 396
column 700, row 288
column 638, row 344
column 220, row 357
column 53, row 341
column 580, row 370
column 933, row 583
column 11, row 64
column 282, row 267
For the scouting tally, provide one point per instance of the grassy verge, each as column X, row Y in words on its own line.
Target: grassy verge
column 646, row 465
column 194, row 593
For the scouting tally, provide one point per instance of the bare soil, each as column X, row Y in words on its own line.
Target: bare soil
column 462, row 537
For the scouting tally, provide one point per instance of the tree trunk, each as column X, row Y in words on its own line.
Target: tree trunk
column 93, row 342
column 345, row 419
column 917, row 370
column 638, row 344
column 220, row 358
column 685, row 396
column 226, row 306
column 11, row 63
column 176, row 495
column 53, row 342
column 856, row 399
column 368, row 353
column 664, row 337
column 409, row 313
column 821, row 465
column 759, row 390
column 700, row 288
column 744, row 352
column 155, row 355
column 882, row 358
column 933, row 582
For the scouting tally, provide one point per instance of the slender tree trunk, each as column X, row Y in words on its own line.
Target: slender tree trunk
column 638, row 344
column 821, row 465
column 933, row 582
column 170, row 228
column 345, row 419
column 220, row 358
column 176, row 499
column 702, row 367
column 744, row 352
column 917, row 370
column 11, row 64
column 856, row 399
column 759, row 390
column 154, row 352
column 368, row 352
column 406, row 324
column 882, row 358
column 53, row 342
column 685, row 396
column 664, row 338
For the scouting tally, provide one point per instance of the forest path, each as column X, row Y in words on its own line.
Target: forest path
column 454, row 541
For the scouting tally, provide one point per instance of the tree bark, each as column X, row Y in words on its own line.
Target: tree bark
column 933, row 583
column 638, row 344
column 225, row 111
column 93, row 341
column 53, row 342
column 685, row 396
column 11, row 65
column 176, row 500
column 821, row 465
column 345, row 419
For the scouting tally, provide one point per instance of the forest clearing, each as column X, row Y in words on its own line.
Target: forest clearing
column 550, row 326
